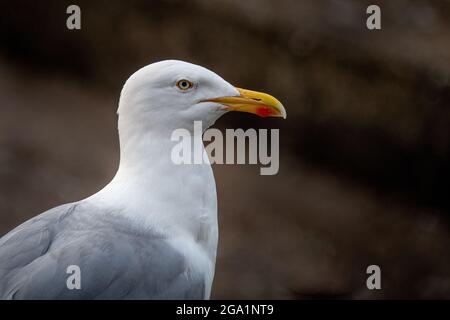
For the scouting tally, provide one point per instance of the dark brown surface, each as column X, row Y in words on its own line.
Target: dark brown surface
column 365, row 150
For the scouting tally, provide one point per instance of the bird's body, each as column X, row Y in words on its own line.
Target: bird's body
column 151, row 233
column 117, row 259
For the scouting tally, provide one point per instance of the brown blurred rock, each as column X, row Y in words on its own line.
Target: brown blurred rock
column 365, row 150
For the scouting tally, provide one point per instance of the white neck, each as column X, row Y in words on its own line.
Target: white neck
column 149, row 189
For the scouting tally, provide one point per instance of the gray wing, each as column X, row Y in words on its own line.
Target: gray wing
column 115, row 260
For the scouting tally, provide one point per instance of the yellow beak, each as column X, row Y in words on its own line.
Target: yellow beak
column 259, row 103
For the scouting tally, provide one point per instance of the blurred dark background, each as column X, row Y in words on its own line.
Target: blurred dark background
column 365, row 150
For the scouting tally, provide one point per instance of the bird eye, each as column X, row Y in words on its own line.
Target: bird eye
column 184, row 84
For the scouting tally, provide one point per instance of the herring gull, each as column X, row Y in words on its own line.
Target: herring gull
column 151, row 233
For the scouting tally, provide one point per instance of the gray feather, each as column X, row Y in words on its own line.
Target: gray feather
column 117, row 259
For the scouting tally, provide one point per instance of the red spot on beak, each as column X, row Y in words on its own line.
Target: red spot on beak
column 264, row 111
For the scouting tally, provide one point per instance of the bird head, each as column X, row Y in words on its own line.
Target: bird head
column 173, row 94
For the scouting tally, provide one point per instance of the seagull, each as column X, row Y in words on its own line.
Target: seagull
column 152, row 232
